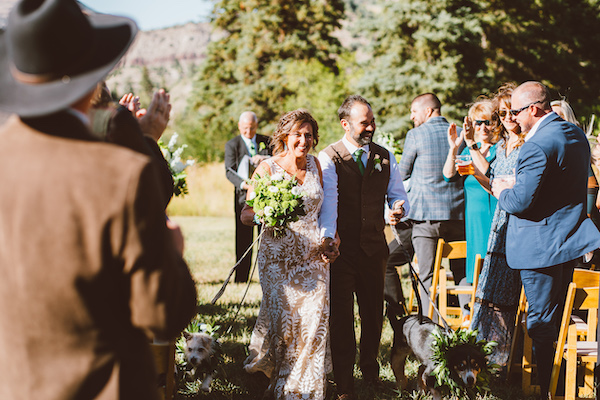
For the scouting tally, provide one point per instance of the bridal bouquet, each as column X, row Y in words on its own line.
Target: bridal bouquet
column 173, row 156
column 276, row 201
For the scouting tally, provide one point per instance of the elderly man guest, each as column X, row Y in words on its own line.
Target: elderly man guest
column 90, row 267
column 548, row 228
column 357, row 177
column 256, row 149
column 437, row 207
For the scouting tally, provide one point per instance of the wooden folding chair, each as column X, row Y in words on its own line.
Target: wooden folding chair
column 439, row 283
column 571, row 348
column 447, row 289
column 164, row 361
column 525, row 364
column 581, row 278
column 411, row 306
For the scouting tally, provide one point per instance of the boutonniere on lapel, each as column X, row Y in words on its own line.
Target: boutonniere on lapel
column 261, row 146
column 377, row 163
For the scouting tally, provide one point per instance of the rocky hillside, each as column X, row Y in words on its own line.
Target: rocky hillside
column 168, row 58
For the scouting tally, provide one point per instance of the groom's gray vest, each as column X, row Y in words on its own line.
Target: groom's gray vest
column 361, row 199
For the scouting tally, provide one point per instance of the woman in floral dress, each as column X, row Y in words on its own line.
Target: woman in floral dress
column 499, row 286
column 290, row 341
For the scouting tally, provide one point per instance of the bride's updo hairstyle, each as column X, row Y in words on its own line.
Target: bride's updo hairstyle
column 290, row 122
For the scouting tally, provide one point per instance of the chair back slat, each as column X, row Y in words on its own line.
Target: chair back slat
column 586, row 298
column 586, row 278
column 455, row 250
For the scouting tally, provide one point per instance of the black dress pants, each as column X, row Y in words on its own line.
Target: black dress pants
column 355, row 273
column 243, row 239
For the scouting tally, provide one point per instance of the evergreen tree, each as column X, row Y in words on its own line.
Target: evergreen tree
column 421, row 46
column 552, row 41
column 249, row 68
column 460, row 49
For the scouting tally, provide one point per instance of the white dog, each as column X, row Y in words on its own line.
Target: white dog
column 201, row 355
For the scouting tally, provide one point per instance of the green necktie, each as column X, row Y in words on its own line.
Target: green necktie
column 252, row 149
column 361, row 166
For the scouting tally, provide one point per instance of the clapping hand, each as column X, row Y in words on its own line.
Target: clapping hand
column 454, row 139
column 154, row 120
column 468, row 131
column 131, row 102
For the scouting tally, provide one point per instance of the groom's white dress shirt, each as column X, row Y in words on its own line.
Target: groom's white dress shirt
column 329, row 212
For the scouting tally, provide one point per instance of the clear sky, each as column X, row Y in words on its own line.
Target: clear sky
column 154, row 14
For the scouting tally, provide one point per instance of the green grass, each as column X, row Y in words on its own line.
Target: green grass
column 210, row 254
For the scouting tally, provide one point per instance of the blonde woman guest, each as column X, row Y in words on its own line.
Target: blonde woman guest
column 290, row 341
column 480, row 137
column 499, row 286
column 565, row 111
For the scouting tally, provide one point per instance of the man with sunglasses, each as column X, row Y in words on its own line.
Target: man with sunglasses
column 548, row 228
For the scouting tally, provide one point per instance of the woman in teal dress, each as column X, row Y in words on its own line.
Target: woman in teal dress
column 480, row 139
column 499, row 286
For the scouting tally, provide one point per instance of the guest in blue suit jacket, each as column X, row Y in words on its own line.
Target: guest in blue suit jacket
column 548, row 228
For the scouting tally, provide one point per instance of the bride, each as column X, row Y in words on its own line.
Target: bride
column 290, row 341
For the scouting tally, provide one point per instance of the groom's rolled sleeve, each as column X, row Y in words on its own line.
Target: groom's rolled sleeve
column 328, row 214
column 530, row 172
column 395, row 189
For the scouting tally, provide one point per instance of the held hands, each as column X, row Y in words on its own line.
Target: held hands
column 330, row 248
column 397, row 213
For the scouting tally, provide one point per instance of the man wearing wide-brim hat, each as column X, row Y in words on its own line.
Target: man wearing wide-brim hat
column 89, row 268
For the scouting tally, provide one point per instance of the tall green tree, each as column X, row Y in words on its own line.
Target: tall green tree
column 249, row 68
column 460, row 49
column 420, row 46
column 552, row 41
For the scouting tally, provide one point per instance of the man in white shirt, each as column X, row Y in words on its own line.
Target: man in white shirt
column 250, row 148
column 358, row 176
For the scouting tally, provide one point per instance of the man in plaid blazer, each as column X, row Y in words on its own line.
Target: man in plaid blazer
column 437, row 206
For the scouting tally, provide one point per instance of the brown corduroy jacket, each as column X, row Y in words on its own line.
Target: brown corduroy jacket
column 88, row 268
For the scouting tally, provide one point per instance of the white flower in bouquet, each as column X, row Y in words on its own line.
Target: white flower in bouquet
column 172, row 154
column 276, row 177
column 276, row 200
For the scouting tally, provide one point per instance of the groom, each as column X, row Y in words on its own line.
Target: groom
column 548, row 228
column 357, row 177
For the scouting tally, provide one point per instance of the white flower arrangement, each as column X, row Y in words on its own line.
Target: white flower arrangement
column 276, row 201
column 387, row 140
column 176, row 164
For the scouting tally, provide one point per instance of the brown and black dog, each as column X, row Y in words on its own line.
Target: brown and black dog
column 414, row 336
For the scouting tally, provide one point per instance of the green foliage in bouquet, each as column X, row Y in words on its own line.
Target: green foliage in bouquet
column 276, row 201
column 443, row 343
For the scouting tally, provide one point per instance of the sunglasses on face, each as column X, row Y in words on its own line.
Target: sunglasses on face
column 481, row 122
column 514, row 113
column 503, row 113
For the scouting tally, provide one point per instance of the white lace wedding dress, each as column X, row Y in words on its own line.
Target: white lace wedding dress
column 290, row 341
